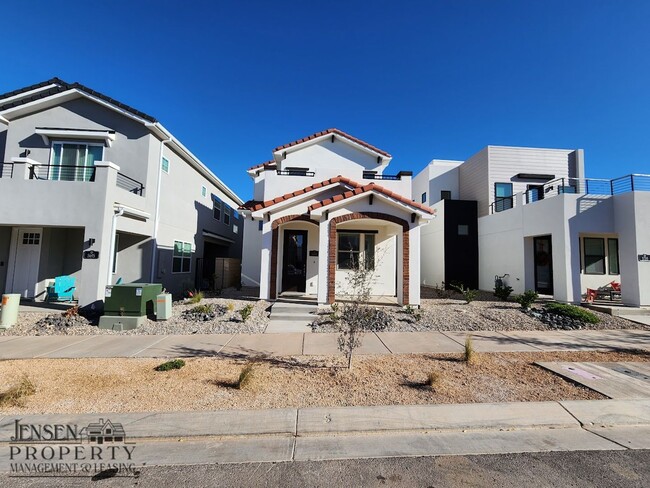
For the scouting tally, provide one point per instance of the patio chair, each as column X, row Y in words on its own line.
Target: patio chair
column 62, row 290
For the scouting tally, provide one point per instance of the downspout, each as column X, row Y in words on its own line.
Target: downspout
column 111, row 257
column 154, row 237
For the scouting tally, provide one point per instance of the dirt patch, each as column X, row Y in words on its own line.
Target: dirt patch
column 132, row 385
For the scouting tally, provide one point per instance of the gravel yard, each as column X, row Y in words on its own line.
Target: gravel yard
column 132, row 385
column 484, row 313
column 230, row 302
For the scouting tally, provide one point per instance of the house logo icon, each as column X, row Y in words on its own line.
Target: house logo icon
column 104, row 432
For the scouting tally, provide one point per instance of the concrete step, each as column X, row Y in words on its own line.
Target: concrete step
column 286, row 317
column 292, row 309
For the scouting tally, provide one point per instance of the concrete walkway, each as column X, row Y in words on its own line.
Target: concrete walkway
column 296, row 344
column 367, row 432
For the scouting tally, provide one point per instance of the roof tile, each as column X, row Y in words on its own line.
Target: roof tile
column 337, row 132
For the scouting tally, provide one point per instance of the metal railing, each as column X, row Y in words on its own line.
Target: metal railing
column 371, row 175
column 295, row 172
column 6, row 170
column 582, row 186
column 129, row 184
column 57, row 172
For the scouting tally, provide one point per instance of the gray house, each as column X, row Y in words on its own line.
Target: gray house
column 97, row 190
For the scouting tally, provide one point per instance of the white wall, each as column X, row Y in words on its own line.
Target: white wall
column 251, row 253
column 432, row 248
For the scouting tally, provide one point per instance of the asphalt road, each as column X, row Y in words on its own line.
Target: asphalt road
column 557, row 469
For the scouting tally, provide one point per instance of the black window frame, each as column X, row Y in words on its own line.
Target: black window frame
column 445, row 194
column 217, row 207
column 504, row 202
column 423, row 198
column 609, row 256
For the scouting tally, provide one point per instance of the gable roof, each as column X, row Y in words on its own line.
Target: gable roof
column 265, row 165
column 355, row 189
column 60, row 86
column 56, row 86
column 337, row 132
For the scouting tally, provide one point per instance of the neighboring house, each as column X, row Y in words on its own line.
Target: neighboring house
column 105, row 432
column 323, row 204
column 540, row 223
column 83, row 172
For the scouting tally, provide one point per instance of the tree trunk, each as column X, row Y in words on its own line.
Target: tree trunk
column 350, row 361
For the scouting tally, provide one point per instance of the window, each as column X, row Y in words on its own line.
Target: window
column 235, row 228
column 463, row 230
column 165, row 165
column 216, row 209
column 31, row 238
column 612, row 252
column 502, row 196
column 182, row 257
column 424, row 197
column 74, row 162
column 594, row 255
column 204, row 191
column 260, row 225
column 349, row 250
column 226, row 214
column 445, row 195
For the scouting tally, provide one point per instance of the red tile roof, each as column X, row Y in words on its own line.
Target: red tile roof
column 254, row 205
column 265, row 165
column 370, row 187
column 337, row 132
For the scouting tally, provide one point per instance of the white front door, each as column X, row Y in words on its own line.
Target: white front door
column 27, row 255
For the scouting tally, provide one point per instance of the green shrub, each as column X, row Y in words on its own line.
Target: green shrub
column 245, row 377
column 468, row 294
column 502, row 292
column 246, row 312
column 173, row 364
column 195, row 296
column 15, row 395
column 527, row 299
column 200, row 309
column 572, row 311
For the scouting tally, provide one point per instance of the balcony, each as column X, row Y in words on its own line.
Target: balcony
column 372, row 175
column 52, row 172
column 582, row 186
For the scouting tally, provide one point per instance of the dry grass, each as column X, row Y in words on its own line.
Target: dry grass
column 245, row 377
column 16, row 395
column 132, row 385
column 433, row 379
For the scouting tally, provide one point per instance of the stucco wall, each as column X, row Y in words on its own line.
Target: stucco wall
column 5, row 240
column 432, row 245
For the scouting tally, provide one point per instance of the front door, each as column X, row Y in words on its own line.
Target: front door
column 543, row 265
column 26, row 260
column 294, row 261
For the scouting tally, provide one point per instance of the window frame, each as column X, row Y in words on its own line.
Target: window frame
column 183, row 257
column 423, row 198
column 586, row 263
column 86, row 175
column 227, row 215
column 507, row 198
column 217, row 205
column 445, row 194
column 361, row 252
column 204, row 191
column 162, row 164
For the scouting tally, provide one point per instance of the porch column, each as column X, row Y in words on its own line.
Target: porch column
column 265, row 262
column 323, row 260
column 94, row 272
column 413, row 274
column 399, row 258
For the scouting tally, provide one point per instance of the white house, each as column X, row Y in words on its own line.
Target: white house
column 323, row 203
column 539, row 223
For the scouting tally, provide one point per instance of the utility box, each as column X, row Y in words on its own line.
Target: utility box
column 127, row 305
column 164, row 306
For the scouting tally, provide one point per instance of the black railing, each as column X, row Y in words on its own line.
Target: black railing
column 502, row 203
column 57, row 172
column 129, row 184
column 371, row 175
column 295, row 172
column 630, row 183
column 6, row 170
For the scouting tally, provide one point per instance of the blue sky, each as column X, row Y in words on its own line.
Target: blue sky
column 419, row 79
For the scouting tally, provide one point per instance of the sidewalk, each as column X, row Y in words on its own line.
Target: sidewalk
column 368, row 432
column 295, row 344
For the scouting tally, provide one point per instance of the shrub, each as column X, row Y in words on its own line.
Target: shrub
column 206, row 308
column 173, row 364
column 527, row 299
column 246, row 312
column 413, row 312
column 71, row 312
column 433, row 378
column 468, row 294
column 470, row 353
column 195, row 296
column 441, row 291
column 15, row 395
column 245, row 377
column 230, row 307
column 572, row 311
column 502, row 292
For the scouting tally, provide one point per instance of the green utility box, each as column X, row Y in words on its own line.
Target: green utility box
column 126, row 306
